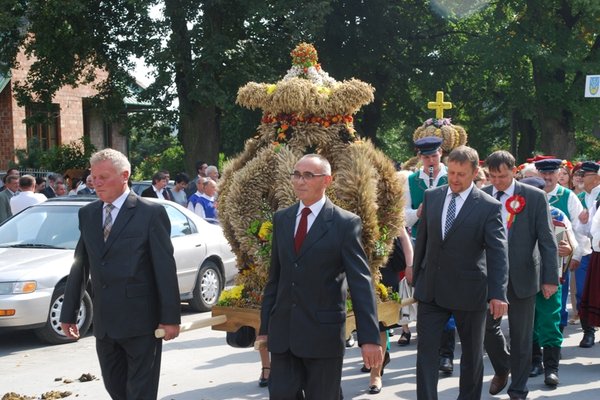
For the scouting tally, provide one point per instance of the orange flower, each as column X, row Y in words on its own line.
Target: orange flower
column 326, row 124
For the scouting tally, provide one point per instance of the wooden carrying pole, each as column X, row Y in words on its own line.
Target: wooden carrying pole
column 190, row 326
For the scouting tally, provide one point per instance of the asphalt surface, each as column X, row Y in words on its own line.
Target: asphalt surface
column 199, row 365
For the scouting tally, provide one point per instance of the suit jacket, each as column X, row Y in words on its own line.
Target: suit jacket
column 5, row 212
column 149, row 192
column 533, row 225
column 49, row 192
column 469, row 266
column 304, row 303
column 133, row 274
column 86, row 191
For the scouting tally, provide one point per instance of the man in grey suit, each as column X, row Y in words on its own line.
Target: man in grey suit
column 529, row 227
column 316, row 254
column 460, row 269
column 125, row 248
column 12, row 187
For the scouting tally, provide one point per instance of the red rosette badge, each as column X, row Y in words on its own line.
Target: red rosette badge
column 514, row 205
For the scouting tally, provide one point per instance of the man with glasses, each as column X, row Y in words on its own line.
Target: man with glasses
column 316, row 255
column 590, row 199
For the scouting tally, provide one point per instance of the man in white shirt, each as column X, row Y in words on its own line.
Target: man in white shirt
column 590, row 196
column 27, row 197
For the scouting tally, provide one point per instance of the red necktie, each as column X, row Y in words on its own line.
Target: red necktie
column 302, row 229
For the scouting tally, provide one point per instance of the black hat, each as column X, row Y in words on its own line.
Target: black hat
column 428, row 145
column 548, row 165
column 589, row 166
column 534, row 181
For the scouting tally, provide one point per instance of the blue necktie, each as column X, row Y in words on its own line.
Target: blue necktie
column 450, row 214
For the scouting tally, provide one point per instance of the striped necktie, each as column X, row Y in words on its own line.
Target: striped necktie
column 450, row 214
column 108, row 222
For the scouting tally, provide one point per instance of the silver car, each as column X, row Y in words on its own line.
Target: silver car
column 36, row 253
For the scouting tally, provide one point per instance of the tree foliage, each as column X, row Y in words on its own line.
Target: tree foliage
column 514, row 70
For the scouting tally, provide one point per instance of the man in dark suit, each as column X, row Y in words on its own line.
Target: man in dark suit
column 460, row 268
column 158, row 187
column 88, row 190
column 316, row 249
column 51, row 181
column 525, row 229
column 125, row 248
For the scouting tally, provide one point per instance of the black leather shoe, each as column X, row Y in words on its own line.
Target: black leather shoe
column 365, row 369
column 551, row 379
column 536, row 370
column 587, row 341
column 262, row 381
column 498, row 383
column 404, row 339
column 446, row 365
column 374, row 389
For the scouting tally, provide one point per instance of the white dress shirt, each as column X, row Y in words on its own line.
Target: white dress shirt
column 315, row 209
column 459, row 201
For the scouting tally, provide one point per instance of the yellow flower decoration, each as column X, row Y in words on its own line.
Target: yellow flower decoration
column 264, row 233
column 271, row 89
column 382, row 290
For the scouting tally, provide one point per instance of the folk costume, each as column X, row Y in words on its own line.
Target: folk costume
column 590, row 299
column 590, row 202
column 421, row 180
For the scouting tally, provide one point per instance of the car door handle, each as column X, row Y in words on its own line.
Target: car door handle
column 199, row 245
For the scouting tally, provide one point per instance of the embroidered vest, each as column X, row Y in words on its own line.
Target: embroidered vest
column 417, row 188
column 581, row 197
column 561, row 200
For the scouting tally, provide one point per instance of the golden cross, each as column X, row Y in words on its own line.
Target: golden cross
column 439, row 105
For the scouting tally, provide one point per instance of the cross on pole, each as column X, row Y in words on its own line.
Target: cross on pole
column 439, row 105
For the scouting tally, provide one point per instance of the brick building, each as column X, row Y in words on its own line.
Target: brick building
column 72, row 117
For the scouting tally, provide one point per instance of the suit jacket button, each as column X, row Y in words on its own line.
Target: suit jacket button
column 293, row 283
column 296, row 265
column 293, row 305
column 104, row 286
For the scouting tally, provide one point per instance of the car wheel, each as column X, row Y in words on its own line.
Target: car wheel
column 208, row 287
column 52, row 332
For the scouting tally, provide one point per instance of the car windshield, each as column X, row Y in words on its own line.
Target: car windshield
column 42, row 226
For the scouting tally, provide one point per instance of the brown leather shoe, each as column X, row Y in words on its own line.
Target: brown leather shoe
column 498, row 383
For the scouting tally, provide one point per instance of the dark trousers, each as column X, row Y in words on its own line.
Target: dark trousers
column 431, row 320
column 318, row 378
column 130, row 367
column 521, row 314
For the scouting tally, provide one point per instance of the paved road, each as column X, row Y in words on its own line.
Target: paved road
column 199, row 365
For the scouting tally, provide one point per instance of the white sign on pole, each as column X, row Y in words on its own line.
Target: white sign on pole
column 592, row 86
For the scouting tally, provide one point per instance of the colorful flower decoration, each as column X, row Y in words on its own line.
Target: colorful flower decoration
column 438, row 123
column 305, row 55
column 287, row 121
column 514, row 205
column 567, row 164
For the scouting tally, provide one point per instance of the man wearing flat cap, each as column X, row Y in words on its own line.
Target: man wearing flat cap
column 590, row 199
column 566, row 201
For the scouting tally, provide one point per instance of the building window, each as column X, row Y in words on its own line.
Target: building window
column 107, row 134
column 43, row 125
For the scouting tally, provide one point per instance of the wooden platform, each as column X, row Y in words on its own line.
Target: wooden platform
column 388, row 313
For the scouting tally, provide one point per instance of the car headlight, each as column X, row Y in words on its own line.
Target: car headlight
column 17, row 287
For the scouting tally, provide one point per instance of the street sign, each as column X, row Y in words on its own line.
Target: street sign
column 592, row 86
